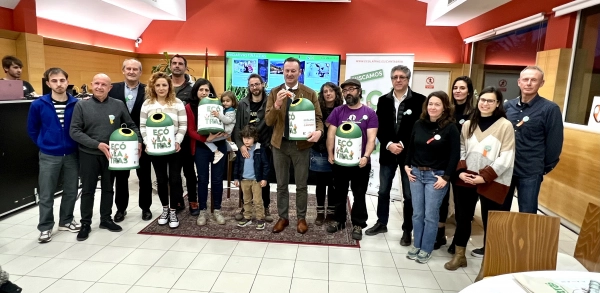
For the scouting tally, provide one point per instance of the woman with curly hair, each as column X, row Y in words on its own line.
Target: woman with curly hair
column 160, row 97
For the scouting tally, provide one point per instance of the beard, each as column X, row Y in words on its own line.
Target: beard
column 351, row 100
column 256, row 92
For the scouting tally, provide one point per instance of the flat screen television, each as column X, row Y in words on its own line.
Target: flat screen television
column 316, row 69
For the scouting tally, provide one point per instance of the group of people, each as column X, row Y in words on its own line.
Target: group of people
column 484, row 147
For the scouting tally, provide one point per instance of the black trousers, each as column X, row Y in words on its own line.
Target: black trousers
column 324, row 188
column 489, row 205
column 92, row 166
column 187, row 162
column 168, row 177
column 144, row 174
column 358, row 180
column 465, row 200
column 444, row 207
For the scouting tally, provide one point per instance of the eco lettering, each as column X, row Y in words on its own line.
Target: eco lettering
column 210, row 119
column 118, row 154
column 343, row 150
column 159, row 141
column 369, row 75
column 293, row 127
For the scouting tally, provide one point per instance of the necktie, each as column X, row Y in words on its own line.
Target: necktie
column 286, row 127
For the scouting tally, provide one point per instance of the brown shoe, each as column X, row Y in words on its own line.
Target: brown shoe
column 320, row 219
column 302, row 226
column 458, row 261
column 280, row 225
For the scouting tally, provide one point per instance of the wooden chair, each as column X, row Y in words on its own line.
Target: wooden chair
column 587, row 249
column 519, row 242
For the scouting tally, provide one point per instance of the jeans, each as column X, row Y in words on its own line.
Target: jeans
column 50, row 170
column 386, row 177
column 358, row 179
column 186, row 161
column 252, row 195
column 528, row 190
column 144, row 174
column 465, row 200
column 168, row 179
column 426, row 203
column 282, row 158
column 319, row 162
column 92, row 166
column 204, row 160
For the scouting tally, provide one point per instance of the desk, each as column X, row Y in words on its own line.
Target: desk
column 507, row 283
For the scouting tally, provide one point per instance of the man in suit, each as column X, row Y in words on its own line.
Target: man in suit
column 132, row 93
column 397, row 112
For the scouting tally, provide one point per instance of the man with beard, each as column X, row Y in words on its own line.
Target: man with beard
column 48, row 126
column 132, row 92
column 251, row 110
column 94, row 120
column 286, row 151
column 357, row 176
column 183, row 88
column 397, row 111
column 12, row 68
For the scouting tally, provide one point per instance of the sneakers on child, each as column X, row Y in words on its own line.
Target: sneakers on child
column 201, row 221
column 423, row 257
column 413, row 253
column 45, row 236
column 164, row 217
column 260, row 225
column 219, row 217
column 173, row 220
column 244, row 222
column 218, row 156
column 71, row 227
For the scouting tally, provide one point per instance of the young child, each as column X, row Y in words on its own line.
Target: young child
column 229, row 102
column 253, row 173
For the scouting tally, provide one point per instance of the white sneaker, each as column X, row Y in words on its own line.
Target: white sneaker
column 173, row 220
column 71, row 227
column 45, row 236
column 218, row 156
column 232, row 146
column 164, row 217
column 219, row 217
column 201, row 218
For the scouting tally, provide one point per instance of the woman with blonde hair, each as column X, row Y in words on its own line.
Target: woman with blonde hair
column 160, row 97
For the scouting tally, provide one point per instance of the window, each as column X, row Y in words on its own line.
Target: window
column 585, row 78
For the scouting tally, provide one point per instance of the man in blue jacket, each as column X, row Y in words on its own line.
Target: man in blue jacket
column 48, row 125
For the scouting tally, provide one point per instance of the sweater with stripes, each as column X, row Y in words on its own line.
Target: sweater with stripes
column 176, row 111
column 490, row 154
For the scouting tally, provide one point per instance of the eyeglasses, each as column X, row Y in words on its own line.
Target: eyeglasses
column 486, row 101
column 255, row 85
column 350, row 89
column 400, row 77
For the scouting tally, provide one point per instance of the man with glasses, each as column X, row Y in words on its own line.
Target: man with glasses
column 251, row 110
column 132, row 92
column 357, row 177
column 397, row 112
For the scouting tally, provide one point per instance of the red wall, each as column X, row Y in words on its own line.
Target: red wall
column 6, row 19
column 65, row 32
column 24, row 17
column 362, row 26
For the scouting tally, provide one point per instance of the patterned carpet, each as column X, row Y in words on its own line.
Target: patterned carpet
column 315, row 235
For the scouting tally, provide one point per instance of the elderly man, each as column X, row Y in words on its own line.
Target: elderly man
column 132, row 92
column 93, row 122
column 286, row 151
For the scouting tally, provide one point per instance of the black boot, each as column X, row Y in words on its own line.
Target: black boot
column 320, row 216
column 452, row 248
column 440, row 239
column 9, row 287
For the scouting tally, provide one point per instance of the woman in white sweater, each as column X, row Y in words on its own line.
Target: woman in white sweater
column 487, row 154
column 160, row 97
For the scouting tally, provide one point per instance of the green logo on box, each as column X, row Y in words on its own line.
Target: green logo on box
column 369, row 75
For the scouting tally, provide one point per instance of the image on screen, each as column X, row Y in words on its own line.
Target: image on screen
column 315, row 70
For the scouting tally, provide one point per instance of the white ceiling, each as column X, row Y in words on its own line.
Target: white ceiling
column 440, row 13
column 123, row 18
column 10, row 4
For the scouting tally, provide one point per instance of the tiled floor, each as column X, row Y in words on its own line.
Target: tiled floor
column 128, row 262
